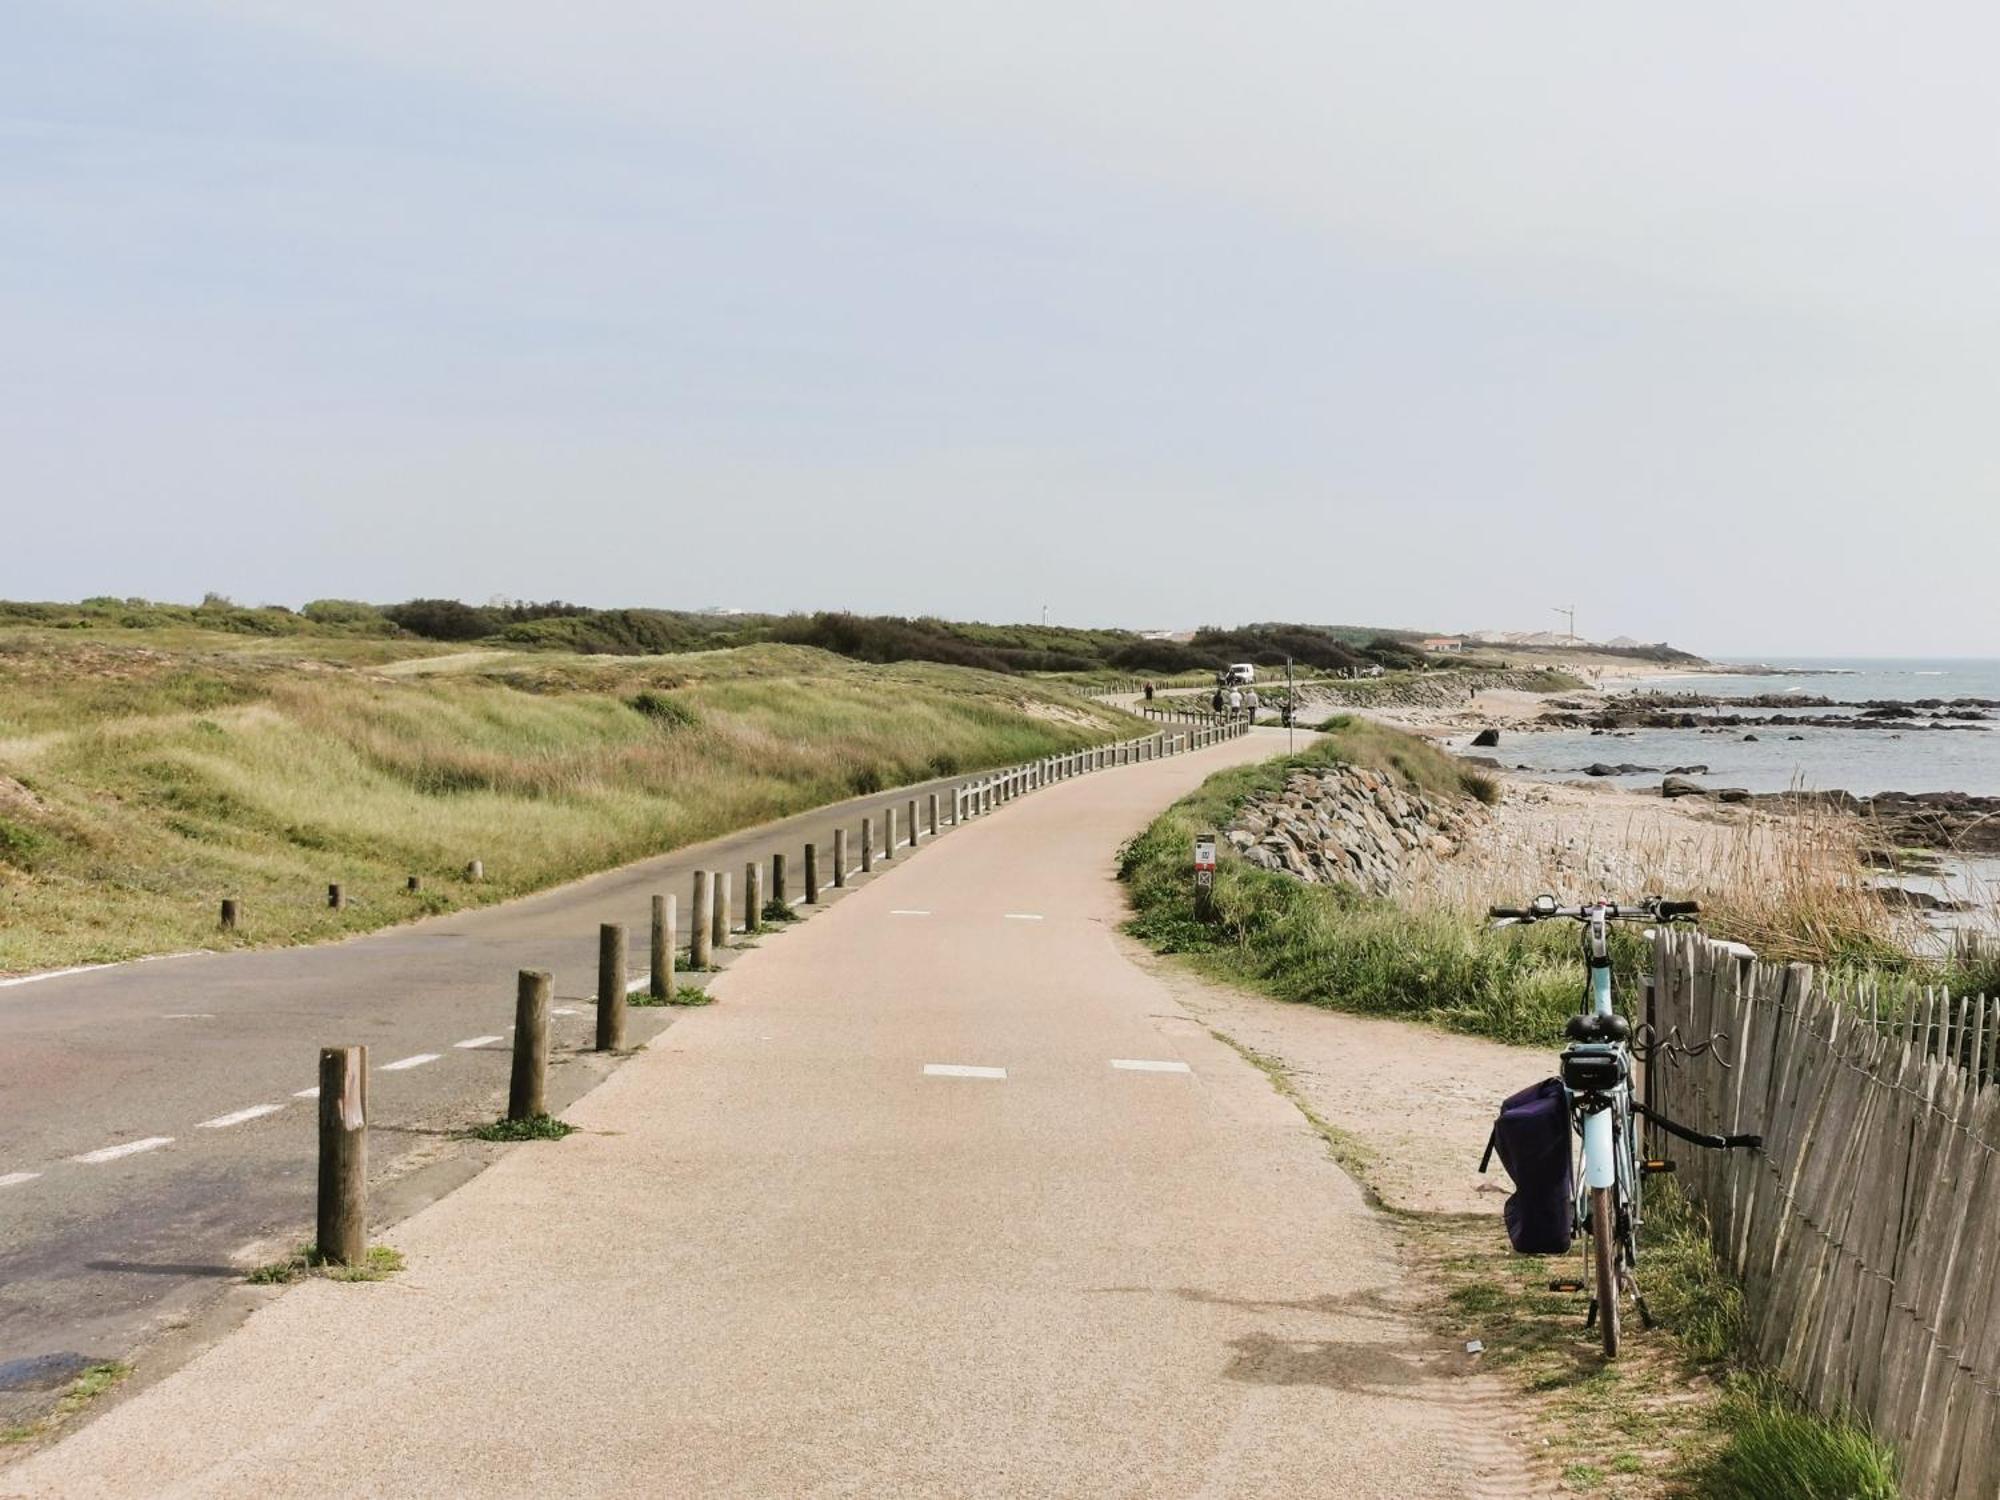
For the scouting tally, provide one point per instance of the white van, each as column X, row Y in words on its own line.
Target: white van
column 1241, row 672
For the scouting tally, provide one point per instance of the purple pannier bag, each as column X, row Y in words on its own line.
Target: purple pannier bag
column 1532, row 1137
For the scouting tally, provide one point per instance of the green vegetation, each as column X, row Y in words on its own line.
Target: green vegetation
column 90, row 1383
column 145, row 777
column 1332, row 945
column 1776, row 1448
column 685, row 994
column 378, row 1263
column 1684, row 1409
column 534, row 1128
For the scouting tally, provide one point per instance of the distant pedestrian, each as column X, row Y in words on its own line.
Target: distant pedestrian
column 1216, row 702
column 1149, row 692
column 1252, row 703
column 1236, row 700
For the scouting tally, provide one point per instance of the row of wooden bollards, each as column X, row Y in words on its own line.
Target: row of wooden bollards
column 336, row 895
column 343, row 1071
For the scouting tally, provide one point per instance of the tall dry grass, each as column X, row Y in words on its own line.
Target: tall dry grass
column 186, row 780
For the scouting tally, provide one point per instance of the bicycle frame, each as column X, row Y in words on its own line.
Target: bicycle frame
column 1603, row 1116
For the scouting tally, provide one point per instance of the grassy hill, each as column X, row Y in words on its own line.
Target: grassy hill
column 147, row 770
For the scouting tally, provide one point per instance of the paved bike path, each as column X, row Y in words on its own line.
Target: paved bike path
column 813, row 1242
column 152, row 1131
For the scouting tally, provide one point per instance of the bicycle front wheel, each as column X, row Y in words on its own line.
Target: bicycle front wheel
column 1604, row 1249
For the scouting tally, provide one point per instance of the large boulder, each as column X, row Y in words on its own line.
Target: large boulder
column 1681, row 786
column 1486, row 739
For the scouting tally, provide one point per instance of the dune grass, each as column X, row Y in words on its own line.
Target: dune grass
column 141, row 783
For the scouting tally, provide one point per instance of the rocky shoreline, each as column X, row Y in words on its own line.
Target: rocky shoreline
column 1350, row 825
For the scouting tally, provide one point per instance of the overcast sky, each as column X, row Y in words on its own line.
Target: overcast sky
column 1152, row 313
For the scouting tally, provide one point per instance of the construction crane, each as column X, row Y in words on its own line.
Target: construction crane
column 1568, row 612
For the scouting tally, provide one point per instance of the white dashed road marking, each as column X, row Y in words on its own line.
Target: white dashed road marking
column 960, row 1070
column 15, row 1179
column 403, row 1063
column 1024, row 916
column 1144, row 1065
column 254, row 1112
column 903, row 911
column 562, row 1010
column 187, row 1015
column 476, row 1041
column 311, row 1093
column 130, row 1148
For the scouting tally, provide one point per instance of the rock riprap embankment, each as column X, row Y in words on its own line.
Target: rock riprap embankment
column 1350, row 824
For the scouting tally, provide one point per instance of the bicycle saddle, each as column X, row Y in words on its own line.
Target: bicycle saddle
column 1595, row 1028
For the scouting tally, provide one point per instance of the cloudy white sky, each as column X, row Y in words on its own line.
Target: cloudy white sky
column 1149, row 313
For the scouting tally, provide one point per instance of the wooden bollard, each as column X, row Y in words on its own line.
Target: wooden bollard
column 475, row 870
column 867, row 845
column 528, row 1088
column 661, row 979
column 812, row 874
column 232, row 913
column 753, row 896
column 781, row 891
column 414, row 884
column 342, row 1235
column 610, row 987
column 698, row 919
column 913, row 823
column 719, row 931
column 336, row 898
column 930, row 814
column 839, row 857
column 888, row 833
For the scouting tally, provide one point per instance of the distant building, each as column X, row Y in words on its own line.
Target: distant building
column 1443, row 643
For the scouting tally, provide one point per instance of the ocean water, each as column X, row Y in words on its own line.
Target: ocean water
column 1862, row 761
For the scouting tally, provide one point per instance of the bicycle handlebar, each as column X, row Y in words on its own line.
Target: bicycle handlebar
column 1651, row 909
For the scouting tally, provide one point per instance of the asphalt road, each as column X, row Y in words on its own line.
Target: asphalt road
column 946, row 1196
column 152, row 1137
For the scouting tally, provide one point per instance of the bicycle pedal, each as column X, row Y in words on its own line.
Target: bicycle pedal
column 1565, row 1286
column 1648, row 1168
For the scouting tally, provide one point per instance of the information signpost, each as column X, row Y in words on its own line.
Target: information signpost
column 1204, row 875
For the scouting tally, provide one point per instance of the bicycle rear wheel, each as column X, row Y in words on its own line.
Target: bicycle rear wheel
column 1604, row 1250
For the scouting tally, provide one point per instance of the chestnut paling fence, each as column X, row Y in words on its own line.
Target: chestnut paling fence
column 1866, row 1232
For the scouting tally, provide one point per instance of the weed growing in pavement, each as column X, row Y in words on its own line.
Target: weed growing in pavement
column 90, row 1383
column 685, row 994
column 534, row 1128
column 778, row 911
column 378, row 1263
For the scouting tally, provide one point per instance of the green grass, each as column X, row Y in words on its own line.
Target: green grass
column 146, row 774
column 378, row 1263
column 1332, row 945
column 1775, row 1447
column 535, row 1128
column 90, row 1383
column 685, row 994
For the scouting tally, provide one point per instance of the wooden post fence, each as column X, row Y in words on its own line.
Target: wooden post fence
column 700, row 922
column 528, row 1087
column 660, row 983
column 610, row 987
column 342, row 1231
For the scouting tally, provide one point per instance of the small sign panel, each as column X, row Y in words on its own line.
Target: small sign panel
column 1204, row 851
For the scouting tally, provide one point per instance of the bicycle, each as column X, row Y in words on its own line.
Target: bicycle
column 1596, row 1076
